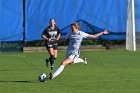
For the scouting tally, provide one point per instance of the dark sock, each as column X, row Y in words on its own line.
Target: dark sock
column 51, row 59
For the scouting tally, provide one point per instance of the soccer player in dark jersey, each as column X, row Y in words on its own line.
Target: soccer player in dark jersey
column 51, row 33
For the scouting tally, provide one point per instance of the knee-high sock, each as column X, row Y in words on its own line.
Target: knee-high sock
column 51, row 59
column 78, row 60
column 58, row 71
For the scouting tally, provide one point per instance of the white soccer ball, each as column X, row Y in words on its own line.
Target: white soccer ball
column 42, row 77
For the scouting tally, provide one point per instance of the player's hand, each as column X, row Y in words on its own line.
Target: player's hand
column 53, row 41
column 49, row 39
column 105, row 32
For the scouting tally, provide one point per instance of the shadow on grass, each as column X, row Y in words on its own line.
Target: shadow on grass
column 5, row 70
column 20, row 81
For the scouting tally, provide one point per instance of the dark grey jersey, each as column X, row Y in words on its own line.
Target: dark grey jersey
column 53, row 34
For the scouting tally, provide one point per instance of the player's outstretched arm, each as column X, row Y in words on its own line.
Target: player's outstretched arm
column 98, row 34
column 56, row 41
column 61, row 40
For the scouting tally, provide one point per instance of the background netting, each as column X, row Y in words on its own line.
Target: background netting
column 93, row 16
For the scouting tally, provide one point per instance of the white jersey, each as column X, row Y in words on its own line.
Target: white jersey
column 75, row 42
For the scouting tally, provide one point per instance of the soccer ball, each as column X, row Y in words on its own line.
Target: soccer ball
column 42, row 77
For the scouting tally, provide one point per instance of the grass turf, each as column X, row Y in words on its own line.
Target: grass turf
column 113, row 71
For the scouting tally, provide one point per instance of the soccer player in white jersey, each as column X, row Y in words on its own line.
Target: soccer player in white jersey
column 73, row 50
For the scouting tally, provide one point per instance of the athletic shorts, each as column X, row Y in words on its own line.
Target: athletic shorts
column 51, row 46
column 72, row 56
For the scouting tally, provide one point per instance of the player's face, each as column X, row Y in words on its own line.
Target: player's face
column 52, row 22
column 74, row 29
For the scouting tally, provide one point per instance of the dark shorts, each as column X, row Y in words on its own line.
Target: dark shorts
column 54, row 46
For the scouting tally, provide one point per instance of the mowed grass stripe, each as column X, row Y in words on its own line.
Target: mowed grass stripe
column 113, row 71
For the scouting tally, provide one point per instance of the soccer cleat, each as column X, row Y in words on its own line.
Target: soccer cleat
column 47, row 61
column 50, row 77
column 85, row 61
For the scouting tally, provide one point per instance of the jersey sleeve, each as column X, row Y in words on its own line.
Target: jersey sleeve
column 45, row 31
column 83, row 34
column 58, row 30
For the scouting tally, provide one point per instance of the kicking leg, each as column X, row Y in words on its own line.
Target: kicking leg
column 61, row 68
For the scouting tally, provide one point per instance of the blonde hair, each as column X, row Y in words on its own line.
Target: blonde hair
column 76, row 25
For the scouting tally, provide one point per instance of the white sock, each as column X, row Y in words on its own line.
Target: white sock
column 58, row 71
column 78, row 60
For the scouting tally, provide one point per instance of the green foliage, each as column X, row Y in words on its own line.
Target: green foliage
column 85, row 42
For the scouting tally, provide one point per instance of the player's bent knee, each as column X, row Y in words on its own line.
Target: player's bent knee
column 64, row 63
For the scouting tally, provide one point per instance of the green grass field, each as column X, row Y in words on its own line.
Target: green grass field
column 113, row 71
